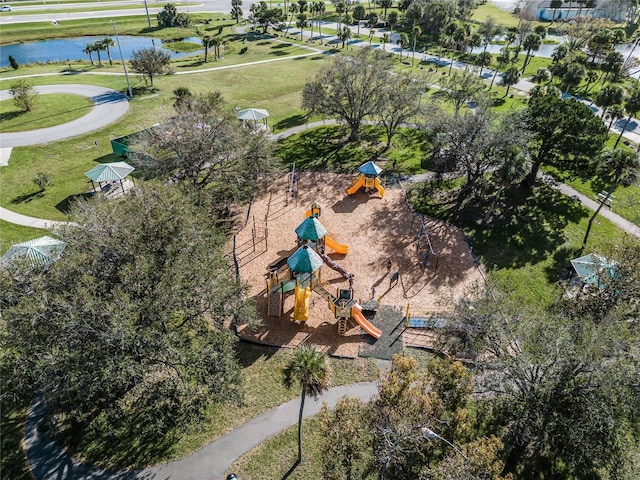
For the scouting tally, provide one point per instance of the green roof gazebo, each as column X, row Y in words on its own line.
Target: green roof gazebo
column 109, row 172
column 595, row 269
column 39, row 252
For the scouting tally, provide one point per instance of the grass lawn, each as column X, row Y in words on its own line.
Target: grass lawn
column 11, row 233
column 71, row 9
column 263, row 390
column 48, row 110
column 259, row 86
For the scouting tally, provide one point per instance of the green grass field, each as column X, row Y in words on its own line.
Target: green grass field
column 48, row 110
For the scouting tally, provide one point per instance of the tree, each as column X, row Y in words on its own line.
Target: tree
column 98, row 47
column 89, row 49
column 542, row 75
column 170, row 17
column 207, row 42
column 400, row 102
column 320, row 9
column 614, row 114
column 392, row 20
column 415, row 33
column 359, row 13
column 341, row 8
column 531, row 43
column 482, row 60
column 13, row 62
column 616, row 167
column 613, row 65
column 573, row 76
column 309, row 369
column 385, row 5
column 607, row 96
column 129, row 336
column 150, row 62
column 558, row 379
column 301, row 22
column 559, row 53
column 345, row 434
column 24, row 95
column 503, row 59
column 632, row 106
column 403, row 41
column 344, row 35
column 461, row 87
column 599, row 42
column 108, row 43
column 488, row 30
column 511, row 76
column 349, row 87
column 557, row 142
column 293, row 9
column 206, row 148
column 555, row 4
column 386, row 38
column 236, row 10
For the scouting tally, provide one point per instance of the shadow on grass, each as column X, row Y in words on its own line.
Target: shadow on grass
column 65, row 205
column 278, row 53
column 27, row 197
column 248, row 353
column 292, row 121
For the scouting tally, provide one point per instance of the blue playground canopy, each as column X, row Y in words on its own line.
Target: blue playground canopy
column 593, row 269
column 311, row 229
column 304, row 260
column 370, row 169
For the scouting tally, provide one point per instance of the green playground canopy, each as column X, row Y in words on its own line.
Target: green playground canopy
column 311, row 229
column 108, row 172
column 304, row 260
column 370, row 169
column 592, row 269
column 38, row 252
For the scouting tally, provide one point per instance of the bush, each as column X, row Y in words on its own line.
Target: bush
column 13, row 62
column 42, row 180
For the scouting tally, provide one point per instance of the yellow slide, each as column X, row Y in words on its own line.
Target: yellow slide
column 335, row 246
column 355, row 186
column 379, row 187
column 301, row 306
column 356, row 312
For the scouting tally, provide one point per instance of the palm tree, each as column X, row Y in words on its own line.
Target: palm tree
column 97, row 47
column 386, row 38
column 207, row 42
column 511, row 76
column 573, row 76
column 301, row 22
column 293, row 9
column 632, row 106
column 503, row 60
column 372, row 34
column 555, row 4
column 89, row 49
column 340, row 9
column 531, row 43
column 392, row 20
column 320, row 8
column 607, row 96
column 542, row 75
column 309, row 369
column 385, row 4
column 615, row 113
column 483, row 59
column 403, row 41
column 359, row 13
column 344, row 35
column 415, row 33
column 108, row 43
column 618, row 167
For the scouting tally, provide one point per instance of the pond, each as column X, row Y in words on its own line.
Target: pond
column 70, row 49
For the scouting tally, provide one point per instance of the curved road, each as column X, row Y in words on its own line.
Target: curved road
column 109, row 106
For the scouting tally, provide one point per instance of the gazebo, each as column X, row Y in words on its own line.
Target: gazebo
column 109, row 172
column 595, row 269
column 253, row 115
column 39, row 252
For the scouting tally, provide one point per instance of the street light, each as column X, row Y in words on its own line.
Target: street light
column 124, row 65
column 146, row 8
column 428, row 433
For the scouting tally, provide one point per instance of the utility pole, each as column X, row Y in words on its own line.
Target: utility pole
column 124, row 65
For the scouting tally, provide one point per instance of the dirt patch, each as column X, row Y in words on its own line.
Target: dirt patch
column 376, row 230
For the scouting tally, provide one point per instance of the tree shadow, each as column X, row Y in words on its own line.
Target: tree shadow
column 27, row 197
column 292, row 121
column 66, row 205
column 248, row 352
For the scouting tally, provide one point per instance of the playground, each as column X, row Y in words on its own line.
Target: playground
column 394, row 258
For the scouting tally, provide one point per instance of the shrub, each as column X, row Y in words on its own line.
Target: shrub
column 42, row 180
column 13, row 62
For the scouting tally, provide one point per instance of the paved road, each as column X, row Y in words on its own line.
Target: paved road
column 49, row 461
column 109, row 106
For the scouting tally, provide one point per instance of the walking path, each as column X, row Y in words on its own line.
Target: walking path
column 49, row 461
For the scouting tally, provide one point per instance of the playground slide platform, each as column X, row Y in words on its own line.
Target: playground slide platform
column 334, row 266
column 379, row 187
column 367, row 326
column 359, row 182
column 284, row 287
column 426, row 322
column 335, row 246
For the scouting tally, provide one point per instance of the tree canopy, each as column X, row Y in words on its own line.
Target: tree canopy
column 150, row 63
column 126, row 331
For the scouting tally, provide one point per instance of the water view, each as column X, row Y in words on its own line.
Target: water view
column 70, row 49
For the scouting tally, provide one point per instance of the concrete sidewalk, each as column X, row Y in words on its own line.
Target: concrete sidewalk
column 49, row 461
